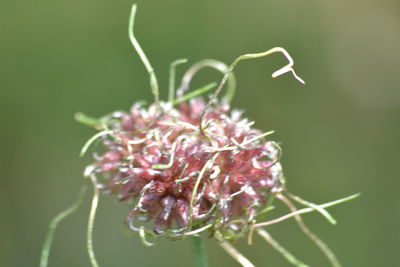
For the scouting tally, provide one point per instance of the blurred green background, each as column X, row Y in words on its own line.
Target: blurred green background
column 340, row 132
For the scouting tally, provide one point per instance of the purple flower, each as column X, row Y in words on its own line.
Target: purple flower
column 183, row 179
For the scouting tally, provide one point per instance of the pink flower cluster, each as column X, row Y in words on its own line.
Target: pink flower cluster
column 180, row 178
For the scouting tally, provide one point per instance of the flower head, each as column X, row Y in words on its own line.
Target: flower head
column 183, row 180
column 188, row 165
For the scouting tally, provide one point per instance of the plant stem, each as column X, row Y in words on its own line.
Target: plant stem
column 292, row 259
column 235, row 254
column 200, row 257
column 194, row 93
column 53, row 225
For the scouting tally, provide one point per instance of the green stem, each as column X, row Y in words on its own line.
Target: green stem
column 53, row 225
column 92, row 215
column 87, row 120
column 289, row 256
column 200, row 257
column 172, row 71
column 194, row 93
column 142, row 55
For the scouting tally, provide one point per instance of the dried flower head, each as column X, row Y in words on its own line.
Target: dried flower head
column 189, row 166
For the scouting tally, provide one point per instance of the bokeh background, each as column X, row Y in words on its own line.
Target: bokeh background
column 340, row 132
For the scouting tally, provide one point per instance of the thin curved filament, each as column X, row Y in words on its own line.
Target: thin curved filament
column 325, row 249
column 283, row 70
column 142, row 55
column 215, row 64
